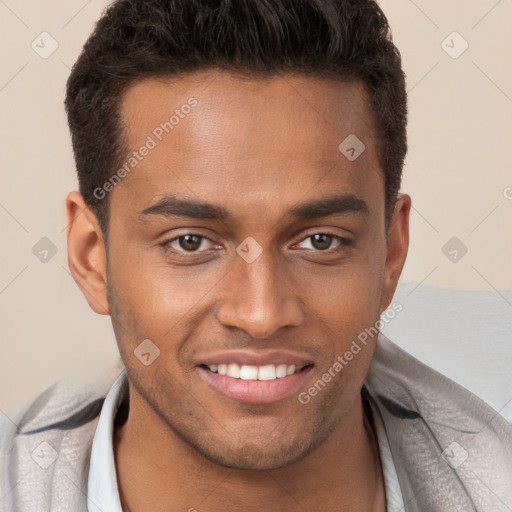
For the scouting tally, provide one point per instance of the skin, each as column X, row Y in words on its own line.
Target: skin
column 258, row 148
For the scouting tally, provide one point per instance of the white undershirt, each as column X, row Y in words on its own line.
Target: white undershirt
column 102, row 490
column 394, row 499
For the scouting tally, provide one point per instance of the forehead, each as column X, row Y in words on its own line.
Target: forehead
column 260, row 136
column 320, row 103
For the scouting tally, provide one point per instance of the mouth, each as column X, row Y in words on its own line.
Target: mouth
column 255, row 384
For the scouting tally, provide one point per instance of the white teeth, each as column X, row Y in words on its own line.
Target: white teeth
column 233, row 371
column 248, row 372
column 281, row 371
column 267, row 372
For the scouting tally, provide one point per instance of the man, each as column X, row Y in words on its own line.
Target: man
column 239, row 218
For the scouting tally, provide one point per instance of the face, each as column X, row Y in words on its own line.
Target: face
column 244, row 237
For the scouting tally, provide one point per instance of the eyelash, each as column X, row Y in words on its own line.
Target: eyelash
column 344, row 242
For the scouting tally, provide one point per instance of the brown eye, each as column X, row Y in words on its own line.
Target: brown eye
column 324, row 242
column 187, row 243
column 321, row 241
column 190, row 242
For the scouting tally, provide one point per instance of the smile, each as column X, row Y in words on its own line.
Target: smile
column 248, row 372
column 255, row 384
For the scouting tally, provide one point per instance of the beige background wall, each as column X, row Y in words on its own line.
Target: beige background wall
column 458, row 171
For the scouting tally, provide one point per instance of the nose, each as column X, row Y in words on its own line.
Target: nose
column 258, row 298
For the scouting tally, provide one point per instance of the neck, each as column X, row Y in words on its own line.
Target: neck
column 160, row 472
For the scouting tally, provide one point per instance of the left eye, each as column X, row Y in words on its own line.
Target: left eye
column 323, row 241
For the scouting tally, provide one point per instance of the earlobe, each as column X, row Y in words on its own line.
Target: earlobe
column 398, row 245
column 87, row 257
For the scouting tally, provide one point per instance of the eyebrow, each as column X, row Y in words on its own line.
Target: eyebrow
column 171, row 205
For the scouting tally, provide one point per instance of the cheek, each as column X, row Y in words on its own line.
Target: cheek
column 346, row 305
column 154, row 301
column 347, row 295
column 158, row 294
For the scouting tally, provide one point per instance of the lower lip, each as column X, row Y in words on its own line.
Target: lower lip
column 256, row 391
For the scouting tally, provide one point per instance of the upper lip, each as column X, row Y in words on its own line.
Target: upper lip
column 255, row 358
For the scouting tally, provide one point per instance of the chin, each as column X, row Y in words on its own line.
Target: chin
column 258, row 457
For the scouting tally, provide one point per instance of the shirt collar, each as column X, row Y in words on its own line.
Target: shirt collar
column 102, row 490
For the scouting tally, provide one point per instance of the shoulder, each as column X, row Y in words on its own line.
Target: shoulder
column 447, row 443
column 46, row 443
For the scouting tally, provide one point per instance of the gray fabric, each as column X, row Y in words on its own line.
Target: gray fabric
column 423, row 413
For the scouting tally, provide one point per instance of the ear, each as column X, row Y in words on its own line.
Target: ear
column 398, row 245
column 87, row 258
